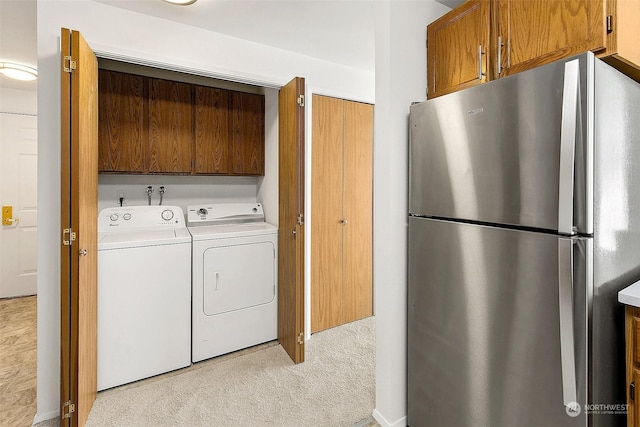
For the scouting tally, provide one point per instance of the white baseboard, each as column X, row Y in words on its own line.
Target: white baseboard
column 45, row 417
column 402, row 422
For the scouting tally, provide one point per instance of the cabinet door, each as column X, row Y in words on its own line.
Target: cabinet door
column 247, row 134
column 170, row 127
column 326, row 215
column 211, row 131
column 457, row 48
column 122, row 116
column 538, row 32
column 357, row 211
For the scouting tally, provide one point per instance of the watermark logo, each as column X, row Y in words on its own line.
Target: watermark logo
column 573, row 409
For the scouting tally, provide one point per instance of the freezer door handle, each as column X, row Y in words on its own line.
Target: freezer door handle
column 570, row 130
column 567, row 342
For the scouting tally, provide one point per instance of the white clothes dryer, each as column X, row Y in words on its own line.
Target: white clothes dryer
column 144, row 293
column 234, row 283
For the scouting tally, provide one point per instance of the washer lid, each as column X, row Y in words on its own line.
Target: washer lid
column 132, row 239
column 224, row 231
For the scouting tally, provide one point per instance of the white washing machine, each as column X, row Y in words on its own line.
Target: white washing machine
column 235, row 262
column 144, row 293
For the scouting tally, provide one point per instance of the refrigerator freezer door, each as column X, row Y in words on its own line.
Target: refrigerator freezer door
column 503, row 152
column 497, row 326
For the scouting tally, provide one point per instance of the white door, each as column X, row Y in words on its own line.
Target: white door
column 18, row 162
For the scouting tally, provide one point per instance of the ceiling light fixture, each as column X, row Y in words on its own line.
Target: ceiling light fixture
column 18, row 71
column 181, row 2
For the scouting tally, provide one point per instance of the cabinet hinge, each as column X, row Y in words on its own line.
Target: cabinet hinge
column 300, row 100
column 301, row 338
column 67, row 409
column 632, row 391
column 300, row 219
column 69, row 64
column 68, row 236
column 609, row 24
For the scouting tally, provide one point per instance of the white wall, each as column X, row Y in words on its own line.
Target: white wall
column 179, row 190
column 18, row 101
column 119, row 33
column 268, row 185
column 400, row 80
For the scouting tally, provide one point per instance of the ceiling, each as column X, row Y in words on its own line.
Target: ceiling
column 18, row 38
column 339, row 31
column 336, row 31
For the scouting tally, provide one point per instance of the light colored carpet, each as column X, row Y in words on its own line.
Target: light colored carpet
column 334, row 387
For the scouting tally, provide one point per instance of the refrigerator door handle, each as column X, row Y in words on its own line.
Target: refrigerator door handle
column 567, row 342
column 568, row 134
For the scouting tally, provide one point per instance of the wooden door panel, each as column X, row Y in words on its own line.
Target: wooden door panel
column 453, row 42
column 539, row 32
column 290, row 232
column 211, row 130
column 247, row 133
column 123, row 116
column 326, row 205
column 358, row 208
column 170, row 127
column 79, row 180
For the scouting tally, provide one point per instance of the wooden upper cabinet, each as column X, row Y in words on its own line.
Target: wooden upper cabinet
column 533, row 33
column 212, row 131
column 155, row 126
column 170, row 127
column 623, row 37
column 122, row 114
column 458, row 47
column 247, row 133
column 525, row 34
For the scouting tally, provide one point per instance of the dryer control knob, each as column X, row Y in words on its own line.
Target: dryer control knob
column 113, row 217
column 202, row 212
column 167, row 214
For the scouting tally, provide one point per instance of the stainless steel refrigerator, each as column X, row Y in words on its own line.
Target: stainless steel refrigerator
column 524, row 223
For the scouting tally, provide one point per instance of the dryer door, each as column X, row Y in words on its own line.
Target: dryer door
column 238, row 277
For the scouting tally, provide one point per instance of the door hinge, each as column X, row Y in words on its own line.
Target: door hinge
column 632, row 391
column 301, row 338
column 300, row 219
column 301, row 100
column 68, row 236
column 67, row 409
column 609, row 24
column 71, row 64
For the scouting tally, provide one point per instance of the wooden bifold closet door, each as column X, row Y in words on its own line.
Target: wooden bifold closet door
column 341, row 217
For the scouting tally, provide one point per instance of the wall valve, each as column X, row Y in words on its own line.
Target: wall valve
column 161, row 192
column 149, row 191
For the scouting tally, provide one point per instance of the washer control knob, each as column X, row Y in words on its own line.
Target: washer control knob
column 126, row 216
column 167, row 214
column 113, row 217
column 202, row 212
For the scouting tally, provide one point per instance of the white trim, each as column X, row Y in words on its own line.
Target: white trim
column 45, row 417
column 402, row 422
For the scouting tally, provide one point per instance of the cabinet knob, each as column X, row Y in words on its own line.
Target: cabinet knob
column 343, row 221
